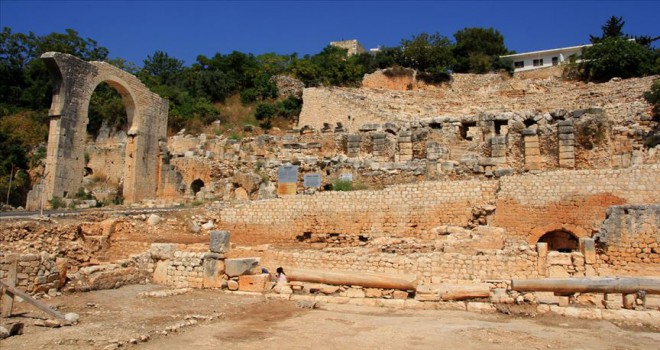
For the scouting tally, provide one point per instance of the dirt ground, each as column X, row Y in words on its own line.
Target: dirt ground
column 112, row 318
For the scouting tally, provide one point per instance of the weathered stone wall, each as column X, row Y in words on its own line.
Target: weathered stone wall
column 330, row 106
column 403, row 210
column 629, row 240
column 531, row 205
column 471, row 94
column 35, row 272
column 428, row 267
column 527, row 206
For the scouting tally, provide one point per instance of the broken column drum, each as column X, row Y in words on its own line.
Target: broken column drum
column 74, row 81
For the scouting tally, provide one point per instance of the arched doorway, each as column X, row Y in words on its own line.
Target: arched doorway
column 561, row 241
column 109, row 113
column 196, row 186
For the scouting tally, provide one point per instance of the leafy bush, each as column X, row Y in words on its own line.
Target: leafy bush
column 342, row 185
column 57, row 203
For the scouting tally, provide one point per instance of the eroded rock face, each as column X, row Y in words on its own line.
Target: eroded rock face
column 248, row 181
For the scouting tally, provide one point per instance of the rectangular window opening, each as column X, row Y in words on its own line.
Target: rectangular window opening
column 538, row 62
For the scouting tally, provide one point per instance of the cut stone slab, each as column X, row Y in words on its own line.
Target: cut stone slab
column 253, row 283
column 242, row 266
column 213, row 273
column 219, row 241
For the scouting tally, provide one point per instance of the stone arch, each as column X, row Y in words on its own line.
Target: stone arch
column 538, row 232
column 560, row 240
column 74, row 82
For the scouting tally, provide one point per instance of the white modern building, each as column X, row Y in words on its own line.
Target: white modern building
column 546, row 58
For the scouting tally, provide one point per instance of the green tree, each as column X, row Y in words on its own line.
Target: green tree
column 613, row 28
column 161, row 69
column 431, row 53
column 617, row 57
column 477, row 50
column 614, row 54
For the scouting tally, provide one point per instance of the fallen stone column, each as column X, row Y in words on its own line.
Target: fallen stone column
column 625, row 285
column 464, row 291
column 364, row 279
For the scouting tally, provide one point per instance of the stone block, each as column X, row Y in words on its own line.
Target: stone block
column 242, row 266
column 213, row 273
column 480, row 307
column 160, row 272
column 498, row 153
column 547, row 298
column 219, row 241
column 253, row 283
column 162, row 251
column 399, row 294
column 557, row 258
column 557, row 271
column 373, row 292
column 355, row 293
column 565, row 129
column 588, row 249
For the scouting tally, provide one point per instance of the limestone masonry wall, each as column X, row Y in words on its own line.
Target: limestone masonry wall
column 429, row 267
column 402, row 210
column 527, row 206
column 532, row 205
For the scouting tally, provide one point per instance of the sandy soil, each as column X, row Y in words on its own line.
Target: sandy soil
column 111, row 318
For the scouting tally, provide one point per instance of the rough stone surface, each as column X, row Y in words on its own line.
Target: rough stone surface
column 219, row 241
column 238, row 267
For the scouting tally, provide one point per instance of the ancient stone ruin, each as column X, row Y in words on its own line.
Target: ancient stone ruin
column 458, row 194
column 74, row 81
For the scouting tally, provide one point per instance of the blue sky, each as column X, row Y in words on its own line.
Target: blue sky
column 185, row 29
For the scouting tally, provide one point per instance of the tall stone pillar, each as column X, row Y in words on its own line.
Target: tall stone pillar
column 378, row 145
column 532, row 150
column 542, row 262
column 353, row 142
column 498, row 149
column 566, row 144
column 405, row 146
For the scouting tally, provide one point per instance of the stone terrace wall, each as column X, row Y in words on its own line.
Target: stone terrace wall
column 527, row 206
column 330, row 105
column 471, row 94
column 404, row 210
column 429, row 267
column 531, row 205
